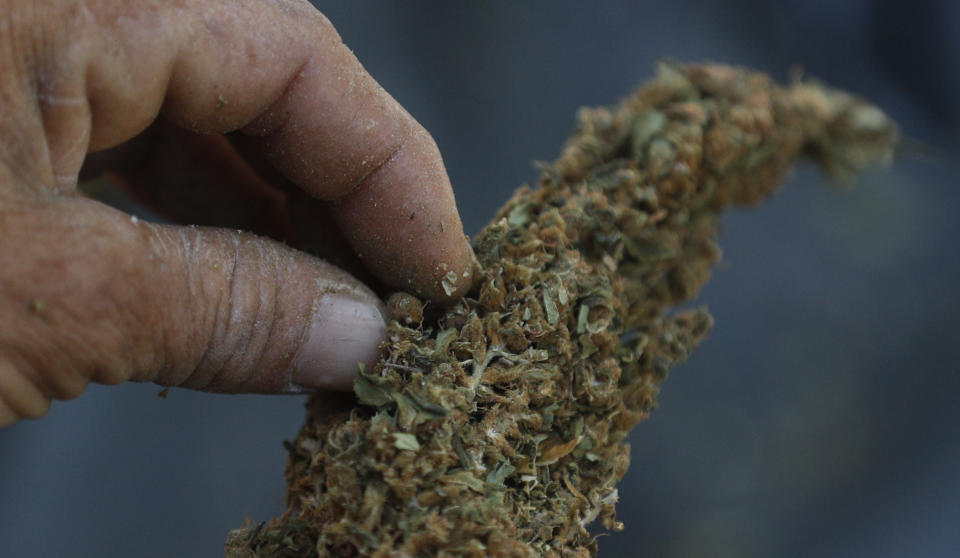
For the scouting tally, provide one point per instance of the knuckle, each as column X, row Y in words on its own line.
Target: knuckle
column 69, row 305
column 20, row 392
column 36, row 409
column 243, row 313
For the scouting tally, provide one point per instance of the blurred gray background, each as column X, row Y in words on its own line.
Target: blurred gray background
column 819, row 418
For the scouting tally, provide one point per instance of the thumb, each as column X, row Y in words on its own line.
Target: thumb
column 95, row 295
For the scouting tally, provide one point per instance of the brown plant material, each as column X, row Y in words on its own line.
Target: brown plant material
column 496, row 427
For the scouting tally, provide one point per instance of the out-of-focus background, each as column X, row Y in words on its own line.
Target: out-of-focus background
column 818, row 419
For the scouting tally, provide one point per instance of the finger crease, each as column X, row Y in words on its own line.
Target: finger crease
column 284, row 118
column 212, row 335
column 366, row 177
column 222, row 339
column 274, row 303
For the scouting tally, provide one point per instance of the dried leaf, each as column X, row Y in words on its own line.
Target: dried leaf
column 551, row 453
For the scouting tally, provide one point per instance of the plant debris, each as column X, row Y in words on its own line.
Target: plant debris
column 497, row 426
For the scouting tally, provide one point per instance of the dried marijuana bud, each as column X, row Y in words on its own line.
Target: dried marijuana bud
column 497, row 427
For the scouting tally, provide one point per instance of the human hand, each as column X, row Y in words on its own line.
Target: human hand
column 88, row 293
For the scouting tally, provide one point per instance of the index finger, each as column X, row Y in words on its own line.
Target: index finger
column 341, row 137
column 278, row 71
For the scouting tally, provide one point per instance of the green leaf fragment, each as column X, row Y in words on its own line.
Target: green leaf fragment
column 465, row 478
column 553, row 314
column 518, row 216
column 369, row 394
column 405, row 441
column 645, row 127
column 582, row 316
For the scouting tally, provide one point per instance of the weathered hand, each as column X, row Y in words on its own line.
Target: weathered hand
column 88, row 293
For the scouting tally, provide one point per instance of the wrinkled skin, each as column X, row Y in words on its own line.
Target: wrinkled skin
column 165, row 96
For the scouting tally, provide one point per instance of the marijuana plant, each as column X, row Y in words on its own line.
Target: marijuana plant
column 496, row 427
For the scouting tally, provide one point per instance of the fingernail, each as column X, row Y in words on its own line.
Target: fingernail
column 345, row 332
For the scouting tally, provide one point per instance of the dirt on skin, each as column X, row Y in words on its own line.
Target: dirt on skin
column 496, row 427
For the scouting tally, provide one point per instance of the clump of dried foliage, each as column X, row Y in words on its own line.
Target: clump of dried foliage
column 496, row 427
